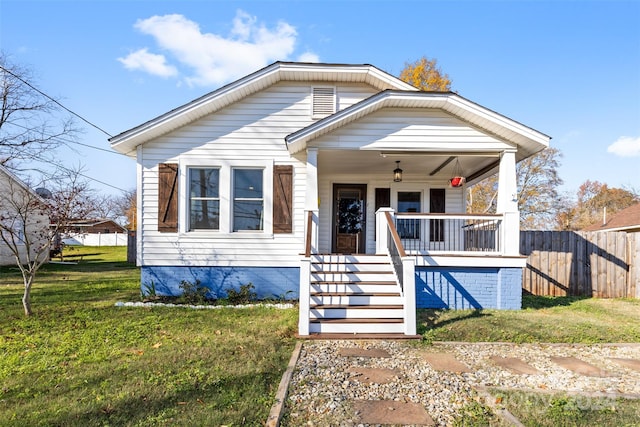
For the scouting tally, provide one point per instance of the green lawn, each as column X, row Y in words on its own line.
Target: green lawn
column 81, row 361
column 542, row 319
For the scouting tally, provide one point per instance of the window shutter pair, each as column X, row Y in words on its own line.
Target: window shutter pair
column 168, row 198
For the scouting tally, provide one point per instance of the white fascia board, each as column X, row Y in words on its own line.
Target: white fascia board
column 484, row 115
column 391, row 80
column 471, row 261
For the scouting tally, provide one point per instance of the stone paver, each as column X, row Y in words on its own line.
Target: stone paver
column 391, row 412
column 628, row 363
column 579, row 366
column 363, row 352
column 383, row 382
column 445, row 362
column 514, row 365
column 374, row 375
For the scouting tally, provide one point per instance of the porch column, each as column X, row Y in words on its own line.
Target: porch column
column 311, row 202
column 508, row 204
column 312, row 180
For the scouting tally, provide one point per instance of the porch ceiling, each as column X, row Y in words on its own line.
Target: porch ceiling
column 415, row 166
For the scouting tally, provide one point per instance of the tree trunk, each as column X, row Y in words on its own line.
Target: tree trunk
column 26, row 298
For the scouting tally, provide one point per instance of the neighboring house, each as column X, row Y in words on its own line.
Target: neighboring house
column 17, row 201
column 331, row 183
column 627, row 220
column 95, row 232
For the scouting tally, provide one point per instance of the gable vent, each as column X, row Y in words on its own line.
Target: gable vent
column 324, row 102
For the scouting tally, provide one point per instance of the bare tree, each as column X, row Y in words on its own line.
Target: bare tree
column 538, row 196
column 107, row 206
column 126, row 208
column 30, row 128
column 30, row 222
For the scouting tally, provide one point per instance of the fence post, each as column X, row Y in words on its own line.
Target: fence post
column 131, row 246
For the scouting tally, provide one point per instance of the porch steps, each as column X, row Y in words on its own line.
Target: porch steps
column 354, row 294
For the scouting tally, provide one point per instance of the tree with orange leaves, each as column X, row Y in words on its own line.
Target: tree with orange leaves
column 426, row 75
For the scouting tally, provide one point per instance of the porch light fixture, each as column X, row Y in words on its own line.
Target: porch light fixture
column 397, row 172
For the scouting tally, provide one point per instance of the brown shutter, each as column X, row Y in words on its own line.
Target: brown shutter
column 168, row 197
column 282, row 199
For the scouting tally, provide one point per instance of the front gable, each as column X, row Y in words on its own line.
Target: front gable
column 319, row 74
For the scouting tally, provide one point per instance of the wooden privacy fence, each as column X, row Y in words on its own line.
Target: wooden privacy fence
column 594, row 264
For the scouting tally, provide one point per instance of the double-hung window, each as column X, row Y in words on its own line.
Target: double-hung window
column 248, row 199
column 204, row 199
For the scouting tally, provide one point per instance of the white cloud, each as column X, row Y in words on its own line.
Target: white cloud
column 308, row 57
column 625, row 146
column 213, row 59
column 151, row 63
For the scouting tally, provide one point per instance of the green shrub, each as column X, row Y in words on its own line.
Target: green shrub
column 193, row 293
column 242, row 296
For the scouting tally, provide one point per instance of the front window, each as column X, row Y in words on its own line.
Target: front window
column 248, row 202
column 409, row 201
column 204, row 199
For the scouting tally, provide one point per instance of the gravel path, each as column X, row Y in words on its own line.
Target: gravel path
column 324, row 383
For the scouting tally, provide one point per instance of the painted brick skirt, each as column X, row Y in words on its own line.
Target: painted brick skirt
column 269, row 282
column 436, row 287
column 469, row 287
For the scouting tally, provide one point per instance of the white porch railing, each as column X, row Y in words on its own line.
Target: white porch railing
column 311, row 227
column 425, row 233
column 404, row 267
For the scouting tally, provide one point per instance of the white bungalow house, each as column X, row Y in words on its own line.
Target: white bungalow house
column 331, row 183
column 23, row 225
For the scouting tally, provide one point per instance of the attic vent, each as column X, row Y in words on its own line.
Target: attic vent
column 324, row 102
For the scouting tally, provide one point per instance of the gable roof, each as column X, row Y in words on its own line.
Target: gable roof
column 126, row 142
column 626, row 220
column 529, row 140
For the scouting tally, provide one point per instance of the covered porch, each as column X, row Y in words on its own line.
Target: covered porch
column 363, row 230
column 386, row 223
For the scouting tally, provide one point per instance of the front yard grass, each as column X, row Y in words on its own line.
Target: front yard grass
column 542, row 319
column 81, row 361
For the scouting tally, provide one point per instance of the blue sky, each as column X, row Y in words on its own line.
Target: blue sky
column 570, row 69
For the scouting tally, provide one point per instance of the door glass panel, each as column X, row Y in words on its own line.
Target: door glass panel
column 409, row 201
column 349, row 212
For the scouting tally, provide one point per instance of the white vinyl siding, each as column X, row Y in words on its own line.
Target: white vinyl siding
column 247, row 134
column 407, row 129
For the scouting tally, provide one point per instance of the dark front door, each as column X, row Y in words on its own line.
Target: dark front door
column 349, row 218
